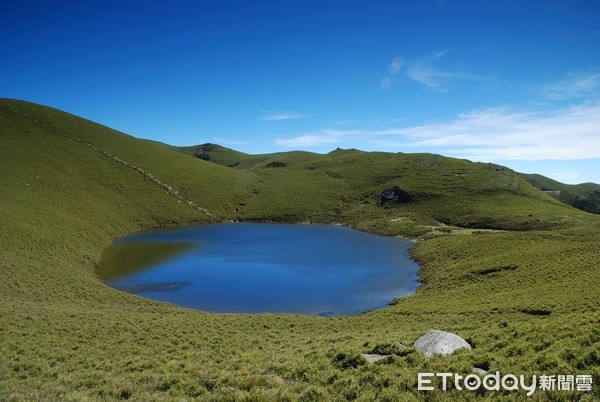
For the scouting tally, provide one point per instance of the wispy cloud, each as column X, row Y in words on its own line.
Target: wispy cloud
column 565, row 177
column 320, row 137
column 511, row 134
column 571, row 132
column 308, row 140
column 579, row 84
column 425, row 72
column 229, row 142
column 277, row 116
column 343, row 122
column 388, row 121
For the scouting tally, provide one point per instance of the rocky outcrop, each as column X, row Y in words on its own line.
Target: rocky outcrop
column 276, row 164
column 394, row 195
column 202, row 152
column 440, row 343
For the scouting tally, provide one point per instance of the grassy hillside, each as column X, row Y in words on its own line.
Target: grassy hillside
column 585, row 196
column 344, row 186
column 527, row 298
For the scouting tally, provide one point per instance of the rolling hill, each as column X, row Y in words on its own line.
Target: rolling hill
column 584, row 196
column 71, row 186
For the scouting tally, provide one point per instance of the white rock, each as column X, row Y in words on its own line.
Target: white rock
column 372, row 358
column 440, row 343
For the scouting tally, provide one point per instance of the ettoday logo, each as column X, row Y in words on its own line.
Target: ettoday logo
column 508, row 382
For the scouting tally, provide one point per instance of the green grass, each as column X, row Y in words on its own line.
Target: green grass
column 526, row 297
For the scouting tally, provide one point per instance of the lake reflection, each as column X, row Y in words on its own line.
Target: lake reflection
column 253, row 268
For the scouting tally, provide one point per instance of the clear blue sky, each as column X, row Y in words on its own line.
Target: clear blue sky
column 515, row 82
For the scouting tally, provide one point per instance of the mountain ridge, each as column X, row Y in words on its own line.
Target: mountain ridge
column 583, row 196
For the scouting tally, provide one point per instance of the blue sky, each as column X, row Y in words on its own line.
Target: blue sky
column 515, row 82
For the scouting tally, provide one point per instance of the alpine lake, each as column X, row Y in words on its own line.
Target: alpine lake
column 262, row 268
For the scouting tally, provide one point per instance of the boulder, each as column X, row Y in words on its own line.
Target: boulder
column 440, row 343
column 394, row 195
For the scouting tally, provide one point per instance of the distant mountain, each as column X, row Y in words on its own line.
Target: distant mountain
column 585, row 196
column 229, row 157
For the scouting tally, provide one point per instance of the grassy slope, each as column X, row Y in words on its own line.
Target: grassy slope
column 585, row 196
column 64, row 335
column 344, row 186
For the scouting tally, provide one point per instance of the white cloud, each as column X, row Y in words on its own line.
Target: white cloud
column 571, row 132
column 277, row 116
column 579, row 84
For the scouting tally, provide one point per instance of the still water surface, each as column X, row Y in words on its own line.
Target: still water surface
column 253, row 268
